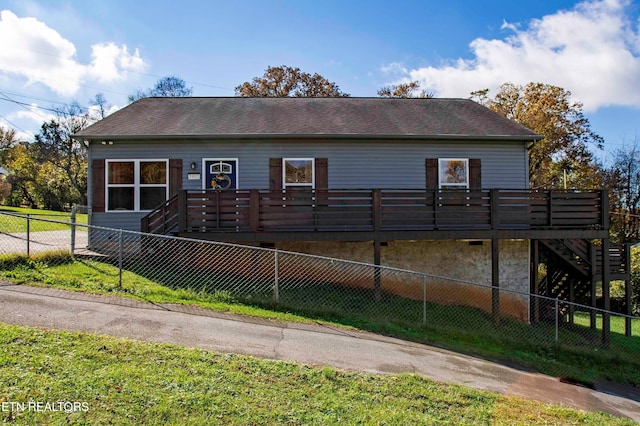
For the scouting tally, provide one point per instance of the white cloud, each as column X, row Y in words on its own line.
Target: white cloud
column 592, row 50
column 31, row 50
column 34, row 114
column 111, row 63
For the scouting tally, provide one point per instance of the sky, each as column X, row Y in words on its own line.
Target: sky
column 55, row 52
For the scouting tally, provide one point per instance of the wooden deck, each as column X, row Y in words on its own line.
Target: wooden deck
column 381, row 214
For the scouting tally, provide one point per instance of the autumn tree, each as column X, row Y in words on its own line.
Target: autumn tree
column 51, row 171
column 403, row 90
column 167, row 87
column 623, row 182
column 23, row 169
column 7, row 141
column 5, row 188
column 286, row 81
column 61, row 154
column 567, row 134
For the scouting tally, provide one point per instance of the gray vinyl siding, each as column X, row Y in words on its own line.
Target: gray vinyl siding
column 352, row 164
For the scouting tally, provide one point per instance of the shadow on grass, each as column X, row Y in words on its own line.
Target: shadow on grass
column 579, row 354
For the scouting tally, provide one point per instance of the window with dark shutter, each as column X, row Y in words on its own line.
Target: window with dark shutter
column 98, row 175
column 452, row 173
column 275, row 173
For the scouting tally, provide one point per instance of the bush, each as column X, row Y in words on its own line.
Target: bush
column 54, row 257
column 5, row 189
column 11, row 261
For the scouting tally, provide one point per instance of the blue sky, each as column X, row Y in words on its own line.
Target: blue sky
column 53, row 52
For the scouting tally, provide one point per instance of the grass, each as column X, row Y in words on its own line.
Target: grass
column 13, row 224
column 458, row 328
column 127, row 382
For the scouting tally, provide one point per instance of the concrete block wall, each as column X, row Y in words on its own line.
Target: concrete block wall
column 459, row 260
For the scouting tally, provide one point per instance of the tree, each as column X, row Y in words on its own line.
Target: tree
column 51, row 171
column 623, row 182
column 5, row 188
column 63, row 157
column 167, row 87
column 549, row 111
column 403, row 90
column 7, row 141
column 100, row 102
column 286, row 81
column 23, row 170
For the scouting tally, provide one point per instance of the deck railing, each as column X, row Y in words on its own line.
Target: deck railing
column 254, row 210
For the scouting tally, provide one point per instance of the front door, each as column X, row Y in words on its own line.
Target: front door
column 221, row 176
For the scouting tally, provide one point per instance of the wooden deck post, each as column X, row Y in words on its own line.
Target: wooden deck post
column 535, row 279
column 182, row 210
column 376, row 203
column 254, row 210
column 593, row 258
column 604, row 208
column 626, row 252
column 494, row 199
column 550, row 209
column 376, row 273
column 495, row 279
column 606, row 271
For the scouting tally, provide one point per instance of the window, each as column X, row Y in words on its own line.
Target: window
column 298, row 172
column 135, row 185
column 453, row 173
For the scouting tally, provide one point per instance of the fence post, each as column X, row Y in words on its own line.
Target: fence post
column 120, row 258
column 276, row 290
column 28, row 235
column 557, row 309
column 73, row 229
column 424, row 300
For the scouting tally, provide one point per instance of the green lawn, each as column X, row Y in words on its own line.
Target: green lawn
column 117, row 381
column 13, row 224
column 458, row 328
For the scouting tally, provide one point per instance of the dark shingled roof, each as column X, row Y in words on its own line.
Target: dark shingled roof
column 234, row 117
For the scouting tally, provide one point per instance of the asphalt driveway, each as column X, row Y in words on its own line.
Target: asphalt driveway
column 40, row 241
column 313, row 344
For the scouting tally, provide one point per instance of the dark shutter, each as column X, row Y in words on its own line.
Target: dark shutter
column 275, row 173
column 175, row 176
column 475, row 173
column 322, row 173
column 431, row 166
column 97, row 182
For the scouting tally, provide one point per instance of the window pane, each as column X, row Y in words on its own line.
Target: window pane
column 120, row 198
column 153, row 172
column 453, row 171
column 121, row 172
column 150, row 198
column 298, row 171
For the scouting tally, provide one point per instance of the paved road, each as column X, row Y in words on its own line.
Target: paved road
column 311, row 344
column 41, row 241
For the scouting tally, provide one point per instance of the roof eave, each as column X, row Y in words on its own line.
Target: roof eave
column 359, row 136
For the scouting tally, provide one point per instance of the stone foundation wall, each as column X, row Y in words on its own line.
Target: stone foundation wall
column 459, row 260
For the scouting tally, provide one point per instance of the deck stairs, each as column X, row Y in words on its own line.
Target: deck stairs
column 573, row 266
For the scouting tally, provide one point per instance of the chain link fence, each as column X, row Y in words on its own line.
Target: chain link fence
column 381, row 298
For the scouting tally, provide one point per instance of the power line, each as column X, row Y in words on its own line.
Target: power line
column 13, row 124
column 7, row 92
column 25, row 105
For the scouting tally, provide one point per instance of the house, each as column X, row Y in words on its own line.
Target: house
column 435, row 185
